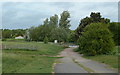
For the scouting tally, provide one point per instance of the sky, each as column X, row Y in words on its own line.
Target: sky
column 22, row 15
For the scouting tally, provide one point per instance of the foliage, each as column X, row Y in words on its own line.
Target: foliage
column 94, row 18
column 51, row 29
column 3, row 39
column 54, row 21
column 45, row 40
column 71, row 37
column 33, row 33
column 59, row 34
column 96, row 39
column 7, row 33
column 114, row 27
column 64, row 20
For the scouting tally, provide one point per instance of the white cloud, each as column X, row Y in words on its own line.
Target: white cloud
column 59, row 0
column 26, row 14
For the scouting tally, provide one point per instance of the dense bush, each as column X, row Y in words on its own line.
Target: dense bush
column 60, row 34
column 3, row 39
column 96, row 39
column 114, row 27
column 45, row 40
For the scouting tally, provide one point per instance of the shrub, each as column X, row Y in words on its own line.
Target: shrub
column 3, row 39
column 45, row 40
column 96, row 39
column 114, row 27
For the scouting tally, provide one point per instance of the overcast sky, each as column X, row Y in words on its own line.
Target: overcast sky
column 17, row 15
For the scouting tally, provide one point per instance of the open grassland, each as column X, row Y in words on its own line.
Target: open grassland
column 32, row 48
column 29, row 61
column 111, row 60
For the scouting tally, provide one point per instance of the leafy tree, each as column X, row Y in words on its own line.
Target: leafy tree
column 71, row 37
column 59, row 34
column 7, row 33
column 46, row 22
column 33, row 33
column 64, row 20
column 115, row 29
column 96, row 39
column 54, row 21
column 94, row 18
column 45, row 40
column 51, row 29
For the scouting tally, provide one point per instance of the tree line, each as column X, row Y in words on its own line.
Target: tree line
column 52, row 29
column 94, row 35
column 12, row 33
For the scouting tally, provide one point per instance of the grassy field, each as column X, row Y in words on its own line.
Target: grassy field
column 111, row 60
column 38, row 48
column 29, row 61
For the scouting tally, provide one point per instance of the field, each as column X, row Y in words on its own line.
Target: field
column 111, row 60
column 38, row 60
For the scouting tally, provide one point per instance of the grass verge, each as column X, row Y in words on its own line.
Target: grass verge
column 111, row 60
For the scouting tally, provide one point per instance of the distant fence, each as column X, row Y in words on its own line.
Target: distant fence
column 20, row 46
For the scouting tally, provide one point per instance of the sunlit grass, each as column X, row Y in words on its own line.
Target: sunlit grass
column 27, row 61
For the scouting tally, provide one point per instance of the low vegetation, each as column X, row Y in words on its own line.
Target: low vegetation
column 111, row 60
column 27, row 61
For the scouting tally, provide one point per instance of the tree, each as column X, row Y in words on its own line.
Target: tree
column 71, row 36
column 64, row 20
column 114, row 27
column 94, row 18
column 96, row 39
column 45, row 40
column 46, row 22
column 6, row 33
column 51, row 29
column 33, row 33
column 59, row 34
column 54, row 21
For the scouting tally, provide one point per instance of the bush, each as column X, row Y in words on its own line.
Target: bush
column 96, row 39
column 45, row 40
column 114, row 27
column 3, row 39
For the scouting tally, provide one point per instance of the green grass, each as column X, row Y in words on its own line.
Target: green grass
column 27, row 61
column 15, row 40
column 111, row 60
column 41, row 48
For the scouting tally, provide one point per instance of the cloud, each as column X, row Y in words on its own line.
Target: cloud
column 27, row 14
column 59, row 0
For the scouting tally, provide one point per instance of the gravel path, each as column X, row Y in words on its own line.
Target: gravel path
column 72, row 62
